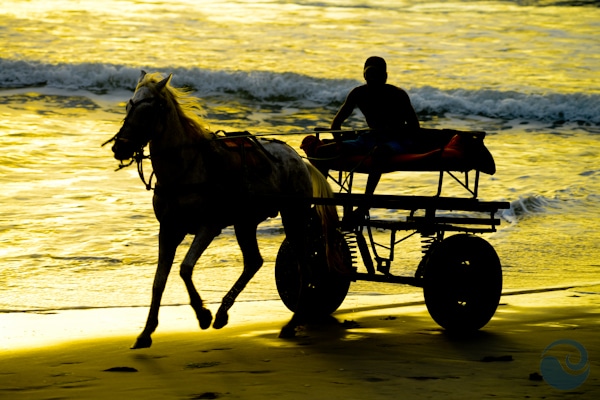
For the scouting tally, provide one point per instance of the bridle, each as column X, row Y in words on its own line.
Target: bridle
column 138, row 153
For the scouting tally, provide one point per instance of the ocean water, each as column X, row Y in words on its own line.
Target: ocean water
column 76, row 234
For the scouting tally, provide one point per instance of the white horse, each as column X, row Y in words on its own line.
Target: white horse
column 205, row 183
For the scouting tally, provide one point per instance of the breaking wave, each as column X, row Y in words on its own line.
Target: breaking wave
column 569, row 200
column 295, row 88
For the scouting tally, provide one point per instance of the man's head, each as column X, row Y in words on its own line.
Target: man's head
column 375, row 71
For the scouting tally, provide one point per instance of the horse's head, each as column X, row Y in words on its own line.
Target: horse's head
column 145, row 119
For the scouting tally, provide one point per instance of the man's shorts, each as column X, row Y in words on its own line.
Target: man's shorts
column 367, row 141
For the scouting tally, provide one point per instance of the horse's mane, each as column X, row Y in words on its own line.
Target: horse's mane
column 187, row 106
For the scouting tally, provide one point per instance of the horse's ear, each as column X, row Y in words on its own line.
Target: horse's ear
column 142, row 75
column 161, row 85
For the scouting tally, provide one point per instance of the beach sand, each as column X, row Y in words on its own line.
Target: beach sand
column 380, row 350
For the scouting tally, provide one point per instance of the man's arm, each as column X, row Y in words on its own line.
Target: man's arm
column 412, row 121
column 344, row 112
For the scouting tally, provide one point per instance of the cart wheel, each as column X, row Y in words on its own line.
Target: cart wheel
column 462, row 283
column 330, row 290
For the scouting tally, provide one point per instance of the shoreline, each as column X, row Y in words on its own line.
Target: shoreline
column 30, row 329
column 375, row 350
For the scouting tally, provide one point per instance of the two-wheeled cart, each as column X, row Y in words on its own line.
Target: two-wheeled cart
column 460, row 272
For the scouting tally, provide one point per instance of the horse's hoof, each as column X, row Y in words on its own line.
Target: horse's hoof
column 142, row 343
column 221, row 320
column 287, row 332
column 205, row 318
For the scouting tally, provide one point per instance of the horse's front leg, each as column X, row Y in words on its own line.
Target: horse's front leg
column 246, row 237
column 202, row 240
column 168, row 240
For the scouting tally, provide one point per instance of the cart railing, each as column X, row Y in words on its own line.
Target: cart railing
column 468, row 180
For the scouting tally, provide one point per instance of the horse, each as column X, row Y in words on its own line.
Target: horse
column 205, row 182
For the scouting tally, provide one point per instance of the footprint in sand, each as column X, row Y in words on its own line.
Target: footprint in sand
column 199, row 365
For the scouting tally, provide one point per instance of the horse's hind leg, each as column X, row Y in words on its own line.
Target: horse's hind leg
column 201, row 241
column 246, row 237
column 295, row 222
column 168, row 241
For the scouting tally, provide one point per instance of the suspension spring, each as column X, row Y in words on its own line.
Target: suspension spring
column 426, row 243
column 350, row 238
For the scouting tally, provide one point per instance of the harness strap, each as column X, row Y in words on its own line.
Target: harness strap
column 139, row 159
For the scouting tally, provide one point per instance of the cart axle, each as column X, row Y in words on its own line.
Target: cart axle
column 388, row 278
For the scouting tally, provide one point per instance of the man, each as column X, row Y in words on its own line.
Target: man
column 389, row 114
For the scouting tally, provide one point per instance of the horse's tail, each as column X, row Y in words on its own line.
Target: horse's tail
column 329, row 219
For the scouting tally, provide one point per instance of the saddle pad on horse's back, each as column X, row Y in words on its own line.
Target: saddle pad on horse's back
column 247, row 152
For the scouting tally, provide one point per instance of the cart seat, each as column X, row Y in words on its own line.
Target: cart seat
column 436, row 150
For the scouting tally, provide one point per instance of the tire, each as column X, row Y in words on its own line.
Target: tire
column 462, row 283
column 328, row 288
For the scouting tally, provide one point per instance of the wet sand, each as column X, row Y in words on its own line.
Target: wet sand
column 381, row 350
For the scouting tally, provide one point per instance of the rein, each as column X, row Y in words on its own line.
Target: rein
column 139, row 156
